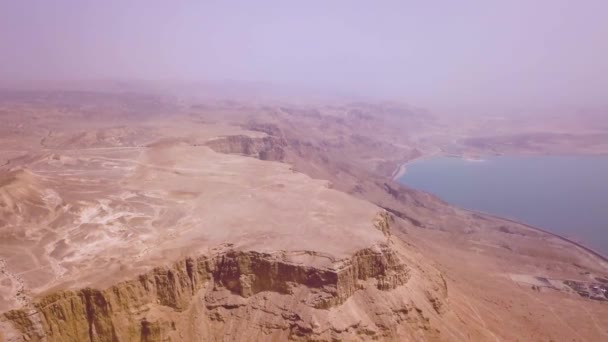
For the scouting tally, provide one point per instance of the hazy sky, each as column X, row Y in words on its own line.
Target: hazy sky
column 445, row 52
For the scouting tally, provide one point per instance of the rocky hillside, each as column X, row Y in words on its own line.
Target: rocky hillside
column 248, row 296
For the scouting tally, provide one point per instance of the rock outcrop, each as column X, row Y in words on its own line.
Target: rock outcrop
column 265, row 148
column 124, row 312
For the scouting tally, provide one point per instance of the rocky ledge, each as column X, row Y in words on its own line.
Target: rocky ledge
column 119, row 312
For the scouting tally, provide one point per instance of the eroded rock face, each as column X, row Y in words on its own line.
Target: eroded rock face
column 123, row 312
column 266, row 148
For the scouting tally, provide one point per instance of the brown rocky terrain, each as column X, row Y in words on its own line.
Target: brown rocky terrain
column 141, row 218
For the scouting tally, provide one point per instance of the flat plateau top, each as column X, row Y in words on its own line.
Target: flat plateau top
column 92, row 217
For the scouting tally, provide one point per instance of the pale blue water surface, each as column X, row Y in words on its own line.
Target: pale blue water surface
column 567, row 195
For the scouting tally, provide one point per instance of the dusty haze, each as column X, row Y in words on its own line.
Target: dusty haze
column 203, row 171
column 430, row 53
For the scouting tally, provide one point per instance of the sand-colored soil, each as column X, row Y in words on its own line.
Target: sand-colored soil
column 143, row 220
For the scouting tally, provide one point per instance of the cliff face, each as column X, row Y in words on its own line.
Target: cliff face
column 155, row 305
column 266, row 148
column 118, row 313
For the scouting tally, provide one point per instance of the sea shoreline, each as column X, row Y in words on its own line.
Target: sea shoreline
column 402, row 169
column 399, row 172
column 542, row 230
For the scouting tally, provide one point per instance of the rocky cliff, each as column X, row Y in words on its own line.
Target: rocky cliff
column 265, row 148
column 209, row 296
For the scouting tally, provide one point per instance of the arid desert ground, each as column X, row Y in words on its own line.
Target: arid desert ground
column 145, row 216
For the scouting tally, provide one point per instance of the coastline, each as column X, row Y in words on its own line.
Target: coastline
column 399, row 172
column 587, row 249
column 402, row 169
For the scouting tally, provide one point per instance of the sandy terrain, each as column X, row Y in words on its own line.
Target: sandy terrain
column 141, row 219
column 71, row 213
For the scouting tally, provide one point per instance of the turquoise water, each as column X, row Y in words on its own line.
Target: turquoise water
column 562, row 194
